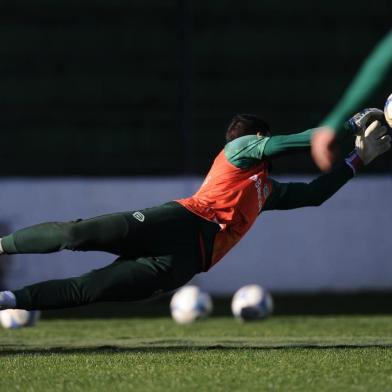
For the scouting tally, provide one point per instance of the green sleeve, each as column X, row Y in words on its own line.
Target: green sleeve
column 373, row 71
column 286, row 196
column 246, row 151
column 280, row 144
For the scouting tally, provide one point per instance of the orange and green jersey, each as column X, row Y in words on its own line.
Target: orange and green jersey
column 231, row 197
column 238, row 187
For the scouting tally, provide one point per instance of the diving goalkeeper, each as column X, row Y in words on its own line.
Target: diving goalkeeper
column 162, row 248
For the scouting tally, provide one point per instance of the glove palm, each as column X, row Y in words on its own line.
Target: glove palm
column 373, row 142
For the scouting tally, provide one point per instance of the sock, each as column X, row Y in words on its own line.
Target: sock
column 7, row 300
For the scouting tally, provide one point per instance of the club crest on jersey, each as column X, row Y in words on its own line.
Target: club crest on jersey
column 139, row 216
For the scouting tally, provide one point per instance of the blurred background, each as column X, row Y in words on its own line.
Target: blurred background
column 119, row 105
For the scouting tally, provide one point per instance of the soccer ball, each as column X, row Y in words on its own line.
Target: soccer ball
column 251, row 302
column 388, row 110
column 190, row 304
column 18, row 318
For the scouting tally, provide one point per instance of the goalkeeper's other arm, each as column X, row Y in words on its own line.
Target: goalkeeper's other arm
column 368, row 146
column 287, row 196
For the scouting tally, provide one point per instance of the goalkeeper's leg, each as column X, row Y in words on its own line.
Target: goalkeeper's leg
column 123, row 280
column 153, row 231
column 105, row 233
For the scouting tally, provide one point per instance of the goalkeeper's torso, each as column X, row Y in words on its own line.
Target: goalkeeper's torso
column 232, row 197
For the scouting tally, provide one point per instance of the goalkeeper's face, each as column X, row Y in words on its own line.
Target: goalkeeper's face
column 246, row 124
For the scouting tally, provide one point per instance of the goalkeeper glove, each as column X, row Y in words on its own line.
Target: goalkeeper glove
column 357, row 124
column 369, row 146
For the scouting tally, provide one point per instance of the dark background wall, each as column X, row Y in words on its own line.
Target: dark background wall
column 147, row 87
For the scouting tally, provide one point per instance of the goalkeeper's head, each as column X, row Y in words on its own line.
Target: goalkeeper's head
column 246, row 124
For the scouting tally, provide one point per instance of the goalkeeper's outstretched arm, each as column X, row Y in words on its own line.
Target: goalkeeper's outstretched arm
column 283, row 144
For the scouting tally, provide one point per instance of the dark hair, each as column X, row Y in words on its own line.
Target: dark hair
column 246, row 124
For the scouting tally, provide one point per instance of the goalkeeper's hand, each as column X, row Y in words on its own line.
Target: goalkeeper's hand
column 325, row 138
column 357, row 124
column 370, row 145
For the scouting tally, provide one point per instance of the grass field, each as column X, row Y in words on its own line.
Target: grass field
column 284, row 353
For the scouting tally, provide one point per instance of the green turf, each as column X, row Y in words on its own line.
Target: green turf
column 220, row 354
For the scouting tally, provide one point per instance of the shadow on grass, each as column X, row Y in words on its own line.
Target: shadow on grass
column 154, row 349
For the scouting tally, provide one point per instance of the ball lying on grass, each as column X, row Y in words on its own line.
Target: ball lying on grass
column 251, row 302
column 18, row 318
column 190, row 304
